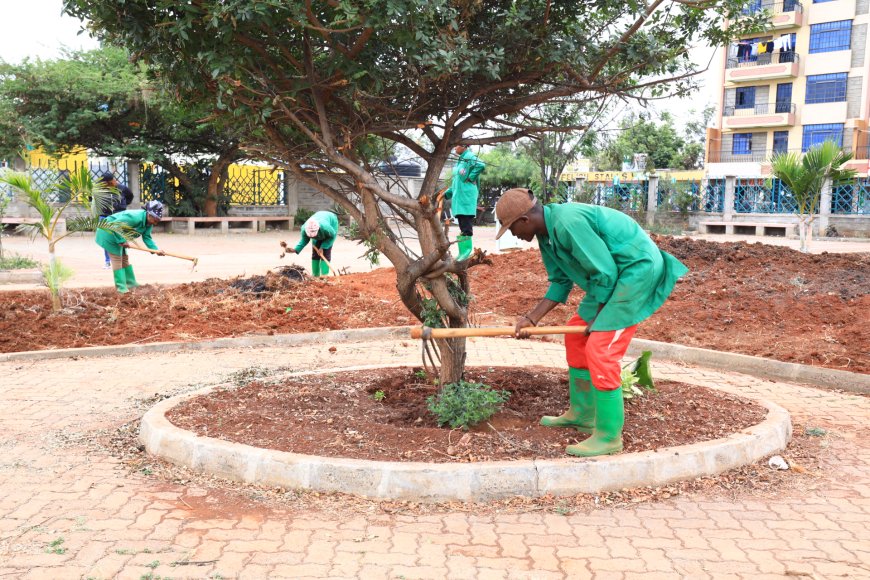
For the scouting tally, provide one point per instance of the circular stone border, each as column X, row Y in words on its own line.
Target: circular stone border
column 457, row 481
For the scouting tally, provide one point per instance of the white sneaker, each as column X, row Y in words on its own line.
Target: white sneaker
column 107, row 266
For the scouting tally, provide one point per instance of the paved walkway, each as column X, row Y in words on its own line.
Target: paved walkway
column 67, row 511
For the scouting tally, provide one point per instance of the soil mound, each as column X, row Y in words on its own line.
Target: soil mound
column 753, row 299
column 271, row 282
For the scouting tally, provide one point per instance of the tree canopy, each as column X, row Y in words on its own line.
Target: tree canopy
column 313, row 82
column 664, row 146
column 101, row 101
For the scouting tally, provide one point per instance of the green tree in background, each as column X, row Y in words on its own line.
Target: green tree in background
column 312, row 83
column 553, row 150
column 101, row 101
column 660, row 141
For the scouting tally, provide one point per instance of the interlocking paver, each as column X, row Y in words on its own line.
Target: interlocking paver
column 117, row 524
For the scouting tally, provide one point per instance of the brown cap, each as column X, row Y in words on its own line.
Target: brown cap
column 512, row 205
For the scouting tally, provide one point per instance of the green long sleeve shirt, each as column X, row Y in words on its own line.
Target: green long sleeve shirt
column 626, row 277
column 137, row 220
column 325, row 238
column 463, row 186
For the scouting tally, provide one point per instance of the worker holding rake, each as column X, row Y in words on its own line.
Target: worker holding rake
column 321, row 229
column 140, row 222
column 626, row 278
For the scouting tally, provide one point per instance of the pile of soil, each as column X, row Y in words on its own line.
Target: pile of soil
column 273, row 281
column 338, row 415
column 753, row 299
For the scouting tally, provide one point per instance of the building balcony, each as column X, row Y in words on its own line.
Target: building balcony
column 766, row 66
column 764, row 115
column 784, row 13
column 763, row 156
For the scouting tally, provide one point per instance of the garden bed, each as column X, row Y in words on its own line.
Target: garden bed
column 383, row 415
column 754, row 299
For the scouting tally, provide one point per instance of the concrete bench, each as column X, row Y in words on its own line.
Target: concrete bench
column 16, row 221
column 282, row 222
column 188, row 225
column 748, row 228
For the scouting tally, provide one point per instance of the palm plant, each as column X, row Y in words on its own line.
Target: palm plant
column 79, row 188
column 805, row 176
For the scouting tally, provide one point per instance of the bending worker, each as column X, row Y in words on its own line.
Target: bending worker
column 140, row 222
column 463, row 194
column 322, row 230
column 626, row 278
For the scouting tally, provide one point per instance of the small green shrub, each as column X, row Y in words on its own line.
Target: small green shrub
column 301, row 216
column 15, row 262
column 379, row 396
column 464, row 404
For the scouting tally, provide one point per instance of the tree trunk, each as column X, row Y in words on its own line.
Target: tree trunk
column 53, row 280
column 803, row 229
column 216, row 181
column 452, row 360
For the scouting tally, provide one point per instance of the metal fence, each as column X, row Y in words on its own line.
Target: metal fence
column 627, row 197
column 245, row 185
column 50, row 176
column 754, row 195
column 851, row 198
column 253, row 185
column 713, row 196
column 681, row 196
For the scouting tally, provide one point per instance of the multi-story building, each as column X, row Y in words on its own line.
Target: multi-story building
column 803, row 81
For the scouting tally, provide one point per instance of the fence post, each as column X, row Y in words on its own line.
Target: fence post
column 825, row 206
column 728, row 202
column 133, row 181
column 652, row 199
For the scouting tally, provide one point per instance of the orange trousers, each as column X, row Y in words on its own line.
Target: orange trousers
column 599, row 352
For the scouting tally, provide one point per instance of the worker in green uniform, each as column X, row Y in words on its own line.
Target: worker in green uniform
column 140, row 223
column 321, row 229
column 462, row 194
column 626, row 278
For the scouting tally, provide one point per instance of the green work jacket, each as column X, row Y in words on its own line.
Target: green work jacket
column 463, row 187
column 137, row 220
column 626, row 277
column 326, row 236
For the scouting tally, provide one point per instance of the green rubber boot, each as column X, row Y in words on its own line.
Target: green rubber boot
column 120, row 280
column 609, row 419
column 131, row 278
column 581, row 409
column 324, row 268
column 466, row 246
column 315, row 268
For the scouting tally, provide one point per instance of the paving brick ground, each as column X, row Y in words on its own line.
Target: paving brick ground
column 67, row 511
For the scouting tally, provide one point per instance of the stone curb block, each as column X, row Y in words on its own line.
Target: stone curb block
column 457, row 482
column 741, row 363
column 21, row 277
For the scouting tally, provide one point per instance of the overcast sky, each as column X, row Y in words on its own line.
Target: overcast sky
column 37, row 28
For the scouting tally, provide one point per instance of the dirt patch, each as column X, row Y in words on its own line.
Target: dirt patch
column 753, row 299
column 338, row 415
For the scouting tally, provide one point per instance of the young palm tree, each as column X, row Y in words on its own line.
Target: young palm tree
column 78, row 188
column 805, row 176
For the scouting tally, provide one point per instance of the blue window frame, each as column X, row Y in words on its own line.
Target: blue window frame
column 831, row 36
column 818, row 134
column 783, row 98
column 742, row 144
column 830, row 88
column 780, row 141
column 745, row 98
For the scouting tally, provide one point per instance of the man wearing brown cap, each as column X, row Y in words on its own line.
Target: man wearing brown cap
column 626, row 278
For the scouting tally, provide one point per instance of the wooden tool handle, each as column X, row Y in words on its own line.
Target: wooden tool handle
column 417, row 331
column 191, row 258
